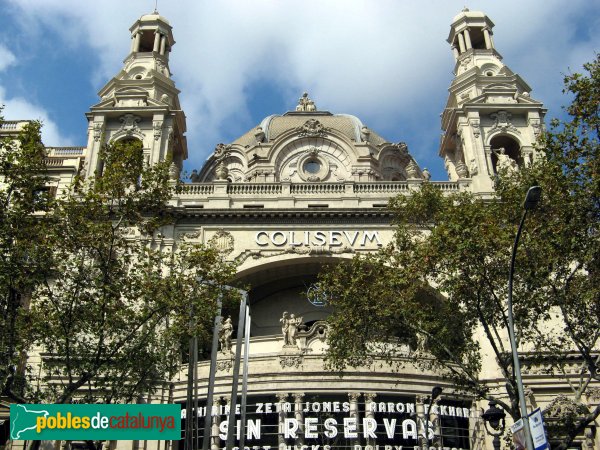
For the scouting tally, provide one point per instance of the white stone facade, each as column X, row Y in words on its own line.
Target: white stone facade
column 301, row 190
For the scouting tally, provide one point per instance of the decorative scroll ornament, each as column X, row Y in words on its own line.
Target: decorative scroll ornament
column 190, row 235
column 293, row 361
column 305, row 104
column 473, row 169
column 97, row 131
column 222, row 241
column 402, row 147
column 562, row 414
column 259, row 135
column 465, row 62
column 157, row 127
column 476, row 129
column 365, row 133
column 502, row 122
column 224, row 365
column 220, row 154
column 130, row 124
column 536, row 126
column 173, row 172
column 221, row 151
column 221, row 171
column 312, row 128
column 563, row 408
column 412, row 170
column 461, row 170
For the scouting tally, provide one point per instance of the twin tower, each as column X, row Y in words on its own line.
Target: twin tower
column 490, row 121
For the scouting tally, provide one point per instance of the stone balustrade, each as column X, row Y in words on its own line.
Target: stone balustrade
column 65, row 151
column 11, row 125
column 299, row 195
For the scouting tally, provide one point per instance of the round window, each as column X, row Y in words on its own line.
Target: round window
column 312, row 166
column 315, row 297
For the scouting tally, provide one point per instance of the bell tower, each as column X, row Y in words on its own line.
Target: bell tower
column 490, row 122
column 141, row 101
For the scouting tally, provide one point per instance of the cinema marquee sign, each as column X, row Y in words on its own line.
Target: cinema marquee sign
column 406, row 426
column 318, row 238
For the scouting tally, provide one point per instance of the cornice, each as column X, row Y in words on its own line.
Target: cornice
column 292, row 216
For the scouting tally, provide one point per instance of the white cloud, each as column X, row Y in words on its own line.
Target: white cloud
column 385, row 61
column 16, row 108
column 7, row 58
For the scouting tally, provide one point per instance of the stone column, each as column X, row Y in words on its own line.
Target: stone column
column 461, row 43
column 136, row 42
column 491, row 38
column 163, row 44
column 353, row 397
column 486, row 37
column 488, row 159
column 455, row 52
column 157, row 36
column 421, row 421
column 369, row 414
column 468, row 39
column 282, row 399
column 299, row 416
column 132, row 43
column 437, row 424
column 215, row 440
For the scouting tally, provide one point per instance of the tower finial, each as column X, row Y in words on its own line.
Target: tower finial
column 155, row 6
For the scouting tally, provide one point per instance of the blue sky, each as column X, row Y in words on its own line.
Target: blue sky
column 385, row 61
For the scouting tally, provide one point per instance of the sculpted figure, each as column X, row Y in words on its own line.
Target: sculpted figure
column 194, row 177
column 225, row 332
column 505, row 162
column 302, row 102
column 289, row 327
column 422, row 341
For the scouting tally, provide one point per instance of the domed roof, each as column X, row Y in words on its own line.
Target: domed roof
column 466, row 12
column 345, row 124
column 308, row 145
column 154, row 16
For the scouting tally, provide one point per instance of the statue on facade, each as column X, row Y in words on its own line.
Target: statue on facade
column 305, row 104
column 225, row 332
column 426, row 174
column 289, row 327
column 505, row 162
column 195, row 176
column 422, row 342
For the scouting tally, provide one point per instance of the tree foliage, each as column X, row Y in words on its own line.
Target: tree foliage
column 461, row 245
column 23, row 262
column 110, row 311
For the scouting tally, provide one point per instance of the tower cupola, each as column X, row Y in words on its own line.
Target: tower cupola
column 470, row 30
column 152, row 34
column 141, row 101
column 490, row 122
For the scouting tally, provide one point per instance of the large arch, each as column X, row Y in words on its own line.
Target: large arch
column 280, row 285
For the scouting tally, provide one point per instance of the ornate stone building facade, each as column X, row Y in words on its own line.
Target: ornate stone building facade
column 300, row 190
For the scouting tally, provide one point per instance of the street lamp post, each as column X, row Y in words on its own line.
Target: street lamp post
column 531, row 200
column 494, row 416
